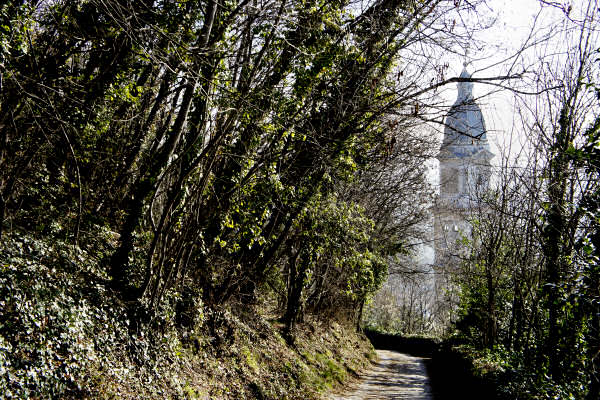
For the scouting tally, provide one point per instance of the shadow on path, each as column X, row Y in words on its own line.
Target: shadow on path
column 449, row 374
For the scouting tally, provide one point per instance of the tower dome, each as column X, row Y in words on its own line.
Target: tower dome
column 465, row 131
column 465, row 156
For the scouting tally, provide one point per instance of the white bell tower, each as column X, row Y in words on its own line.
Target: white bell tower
column 465, row 168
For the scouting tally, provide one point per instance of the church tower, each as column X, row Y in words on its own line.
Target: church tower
column 465, row 169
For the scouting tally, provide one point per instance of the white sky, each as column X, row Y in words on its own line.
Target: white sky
column 511, row 22
column 489, row 55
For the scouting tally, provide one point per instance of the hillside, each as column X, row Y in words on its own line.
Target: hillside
column 63, row 335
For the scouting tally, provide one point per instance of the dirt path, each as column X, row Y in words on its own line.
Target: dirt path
column 393, row 376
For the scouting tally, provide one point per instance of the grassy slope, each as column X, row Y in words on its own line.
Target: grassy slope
column 63, row 335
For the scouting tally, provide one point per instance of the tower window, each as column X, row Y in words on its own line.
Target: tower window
column 450, row 180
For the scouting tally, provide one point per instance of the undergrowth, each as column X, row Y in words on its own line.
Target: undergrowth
column 63, row 334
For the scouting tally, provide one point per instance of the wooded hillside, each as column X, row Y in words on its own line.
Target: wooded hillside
column 183, row 158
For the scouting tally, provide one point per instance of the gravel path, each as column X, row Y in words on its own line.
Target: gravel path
column 393, row 376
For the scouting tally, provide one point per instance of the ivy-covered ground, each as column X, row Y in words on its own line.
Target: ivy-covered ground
column 64, row 335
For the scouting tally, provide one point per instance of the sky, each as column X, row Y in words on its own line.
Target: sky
column 490, row 55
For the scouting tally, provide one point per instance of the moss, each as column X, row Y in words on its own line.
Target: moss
column 250, row 359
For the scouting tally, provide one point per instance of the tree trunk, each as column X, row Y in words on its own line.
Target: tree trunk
column 296, row 286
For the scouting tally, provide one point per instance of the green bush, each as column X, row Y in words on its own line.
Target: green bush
column 49, row 332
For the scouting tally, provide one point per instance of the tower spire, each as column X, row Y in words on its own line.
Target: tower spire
column 465, row 89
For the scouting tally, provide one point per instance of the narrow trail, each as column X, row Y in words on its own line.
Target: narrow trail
column 393, row 376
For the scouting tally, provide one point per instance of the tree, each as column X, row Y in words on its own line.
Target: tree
column 533, row 294
column 201, row 132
